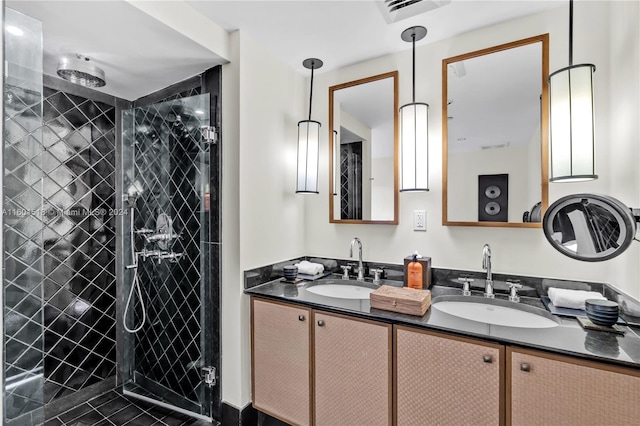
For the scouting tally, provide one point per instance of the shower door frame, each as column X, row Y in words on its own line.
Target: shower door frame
column 208, row 82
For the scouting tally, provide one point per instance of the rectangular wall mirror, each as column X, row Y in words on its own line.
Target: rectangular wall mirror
column 363, row 150
column 495, row 135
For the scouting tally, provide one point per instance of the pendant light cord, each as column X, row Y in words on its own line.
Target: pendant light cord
column 570, row 33
column 311, row 90
column 413, row 81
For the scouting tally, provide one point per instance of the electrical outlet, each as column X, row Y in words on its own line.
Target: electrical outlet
column 419, row 220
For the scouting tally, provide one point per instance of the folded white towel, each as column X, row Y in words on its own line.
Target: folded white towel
column 309, row 268
column 574, row 299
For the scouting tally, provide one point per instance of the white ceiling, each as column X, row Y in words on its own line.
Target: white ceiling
column 141, row 55
column 138, row 53
column 345, row 32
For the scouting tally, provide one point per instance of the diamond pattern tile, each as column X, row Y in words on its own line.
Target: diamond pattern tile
column 351, row 180
column 171, row 166
column 60, row 241
column 22, row 251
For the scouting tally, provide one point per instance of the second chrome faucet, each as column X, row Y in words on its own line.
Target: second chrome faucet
column 360, row 265
column 486, row 264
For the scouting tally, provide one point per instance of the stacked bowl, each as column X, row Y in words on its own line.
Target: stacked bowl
column 290, row 272
column 602, row 312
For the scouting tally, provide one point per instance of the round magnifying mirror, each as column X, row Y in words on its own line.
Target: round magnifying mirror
column 589, row 227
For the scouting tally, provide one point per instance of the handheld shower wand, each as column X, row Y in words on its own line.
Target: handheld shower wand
column 134, row 191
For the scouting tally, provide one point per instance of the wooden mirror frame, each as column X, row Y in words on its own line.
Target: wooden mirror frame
column 332, row 89
column 544, row 39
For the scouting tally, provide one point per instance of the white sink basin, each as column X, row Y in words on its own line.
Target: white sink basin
column 341, row 291
column 494, row 312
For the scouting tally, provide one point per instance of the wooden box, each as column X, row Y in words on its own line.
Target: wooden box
column 401, row 299
column 426, row 270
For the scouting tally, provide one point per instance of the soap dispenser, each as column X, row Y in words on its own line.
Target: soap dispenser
column 414, row 273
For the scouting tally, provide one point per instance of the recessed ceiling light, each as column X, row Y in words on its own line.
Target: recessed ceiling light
column 11, row 29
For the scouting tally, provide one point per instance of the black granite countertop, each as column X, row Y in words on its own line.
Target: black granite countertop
column 568, row 338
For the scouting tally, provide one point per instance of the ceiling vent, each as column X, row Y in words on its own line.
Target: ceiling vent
column 397, row 10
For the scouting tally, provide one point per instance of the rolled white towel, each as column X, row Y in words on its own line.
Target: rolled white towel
column 574, row 299
column 309, row 268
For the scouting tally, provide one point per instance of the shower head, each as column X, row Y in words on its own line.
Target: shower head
column 79, row 70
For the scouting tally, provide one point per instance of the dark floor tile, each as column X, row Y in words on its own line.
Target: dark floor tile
column 175, row 420
column 159, row 412
column 53, row 422
column 103, row 399
column 74, row 413
column 142, row 420
column 196, row 422
column 113, row 406
column 88, row 419
column 127, row 414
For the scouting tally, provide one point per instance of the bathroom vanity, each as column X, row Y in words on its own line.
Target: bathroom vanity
column 328, row 361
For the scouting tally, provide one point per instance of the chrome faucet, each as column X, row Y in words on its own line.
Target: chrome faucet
column 360, row 266
column 486, row 264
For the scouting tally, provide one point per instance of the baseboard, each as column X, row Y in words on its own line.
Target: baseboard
column 231, row 416
column 248, row 416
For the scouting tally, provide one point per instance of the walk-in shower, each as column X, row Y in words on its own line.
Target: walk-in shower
column 166, row 247
column 110, row 222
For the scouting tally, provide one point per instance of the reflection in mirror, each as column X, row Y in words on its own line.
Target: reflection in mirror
column 363, row 150
column 495, row 110
column 589, row 227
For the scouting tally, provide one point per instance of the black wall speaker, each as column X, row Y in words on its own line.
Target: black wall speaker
column 493, row 198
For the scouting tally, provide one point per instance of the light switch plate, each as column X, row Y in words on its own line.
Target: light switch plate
column 419, row 220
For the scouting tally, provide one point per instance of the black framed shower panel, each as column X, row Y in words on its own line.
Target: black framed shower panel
column 207, row 82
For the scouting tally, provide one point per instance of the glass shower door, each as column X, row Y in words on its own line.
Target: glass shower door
column 166, row 266
column 23, row 218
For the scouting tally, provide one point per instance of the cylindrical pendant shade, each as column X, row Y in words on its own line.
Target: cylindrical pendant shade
column 414, row 147
column 572, row 143
column 308, row 145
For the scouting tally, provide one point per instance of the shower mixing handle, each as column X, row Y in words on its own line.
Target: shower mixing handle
column 162, row 237
column 159, row 255
column 172, row 257
column 145, row 231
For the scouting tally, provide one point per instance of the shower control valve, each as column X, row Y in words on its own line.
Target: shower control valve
column 144, row 231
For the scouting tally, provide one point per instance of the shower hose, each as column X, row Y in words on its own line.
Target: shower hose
column 135, row 285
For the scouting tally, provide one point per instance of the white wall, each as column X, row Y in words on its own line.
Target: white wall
column 605, row 33
column 232, row 331
column 466, row 166
column 263, row 220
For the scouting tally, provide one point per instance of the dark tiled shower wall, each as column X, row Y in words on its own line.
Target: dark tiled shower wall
column 76, row 228
column 167, row 353
column 79, row 243
column 167, row 350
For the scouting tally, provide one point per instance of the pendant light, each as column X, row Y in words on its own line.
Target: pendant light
column 572, row 121
column 414, row 130
column 308, row 143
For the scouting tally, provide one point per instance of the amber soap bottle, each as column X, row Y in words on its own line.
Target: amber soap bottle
column 414, row 274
